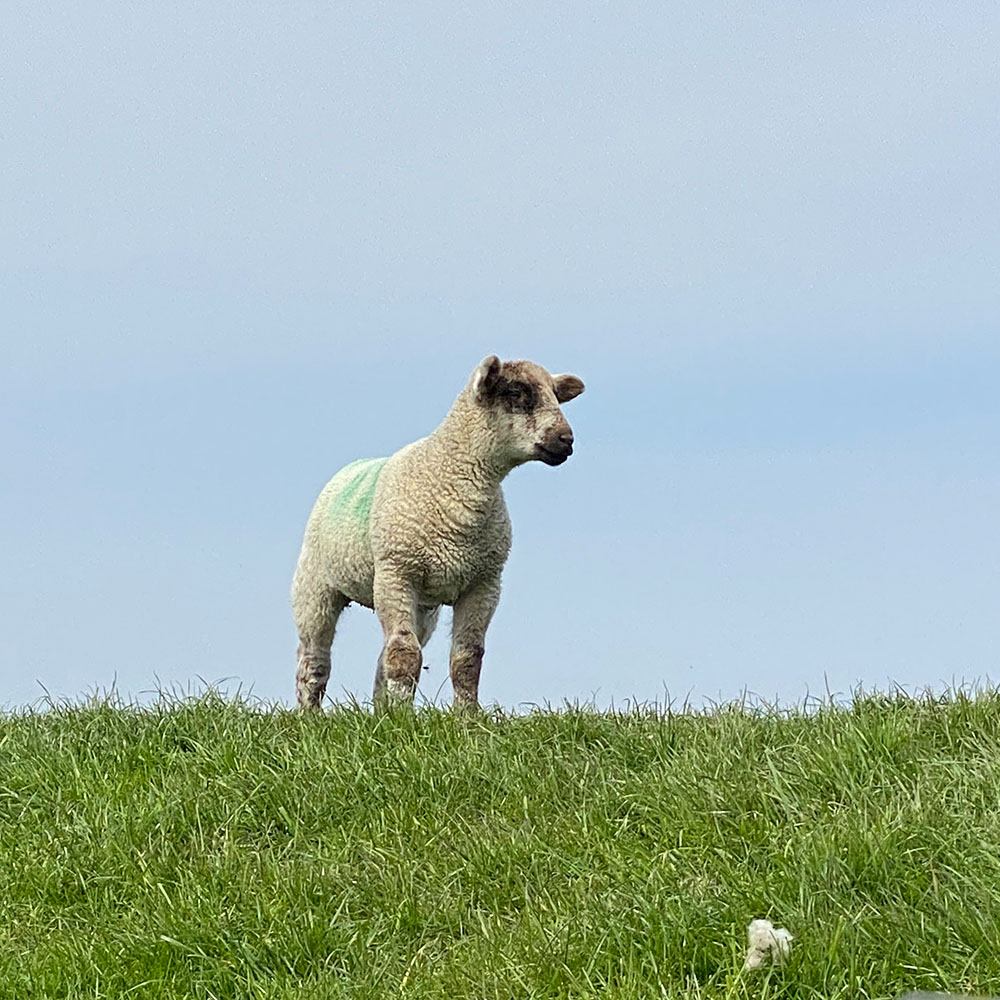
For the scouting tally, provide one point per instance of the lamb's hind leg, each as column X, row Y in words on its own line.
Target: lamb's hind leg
column 316, row 619
column 427, row 619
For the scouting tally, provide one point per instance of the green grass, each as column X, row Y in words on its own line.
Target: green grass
column 211, row 848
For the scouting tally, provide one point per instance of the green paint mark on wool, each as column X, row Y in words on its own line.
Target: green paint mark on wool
column 354, row 490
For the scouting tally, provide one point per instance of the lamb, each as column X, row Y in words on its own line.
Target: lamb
column 425, row 527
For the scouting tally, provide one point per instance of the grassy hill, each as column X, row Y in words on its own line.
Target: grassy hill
column 210, row 848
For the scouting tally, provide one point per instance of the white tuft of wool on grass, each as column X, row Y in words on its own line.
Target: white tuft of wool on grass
column 765, row 941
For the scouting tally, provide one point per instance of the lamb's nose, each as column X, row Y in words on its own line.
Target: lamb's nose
column 566, row 438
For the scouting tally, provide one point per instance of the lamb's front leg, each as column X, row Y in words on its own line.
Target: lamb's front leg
column 400, row 660
column 473, row 611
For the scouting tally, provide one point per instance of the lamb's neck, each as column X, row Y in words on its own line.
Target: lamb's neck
column 464, row 451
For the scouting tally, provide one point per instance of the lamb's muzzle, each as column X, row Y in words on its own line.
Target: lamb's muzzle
column 556, row 446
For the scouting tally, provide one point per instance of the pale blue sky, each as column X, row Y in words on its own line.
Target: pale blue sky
column 243, row 244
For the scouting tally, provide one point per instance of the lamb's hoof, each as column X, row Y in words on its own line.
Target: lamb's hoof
column 400, row 689
column 398, row 671
column 467, row 707
column 395, row 696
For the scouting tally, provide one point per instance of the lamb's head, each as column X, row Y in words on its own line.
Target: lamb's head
column 520, row 403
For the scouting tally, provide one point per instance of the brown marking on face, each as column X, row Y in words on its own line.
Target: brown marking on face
column 516, row 394
column 520, row 387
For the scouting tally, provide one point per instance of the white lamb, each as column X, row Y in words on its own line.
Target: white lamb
column 425, row 527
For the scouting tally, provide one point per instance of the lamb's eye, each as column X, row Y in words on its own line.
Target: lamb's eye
column 520, row 396
column 517, row 397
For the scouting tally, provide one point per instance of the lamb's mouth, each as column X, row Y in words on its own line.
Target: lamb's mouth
column 552, row 457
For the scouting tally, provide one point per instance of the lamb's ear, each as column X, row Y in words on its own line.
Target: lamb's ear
column 485, row 376
column 567, row 387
